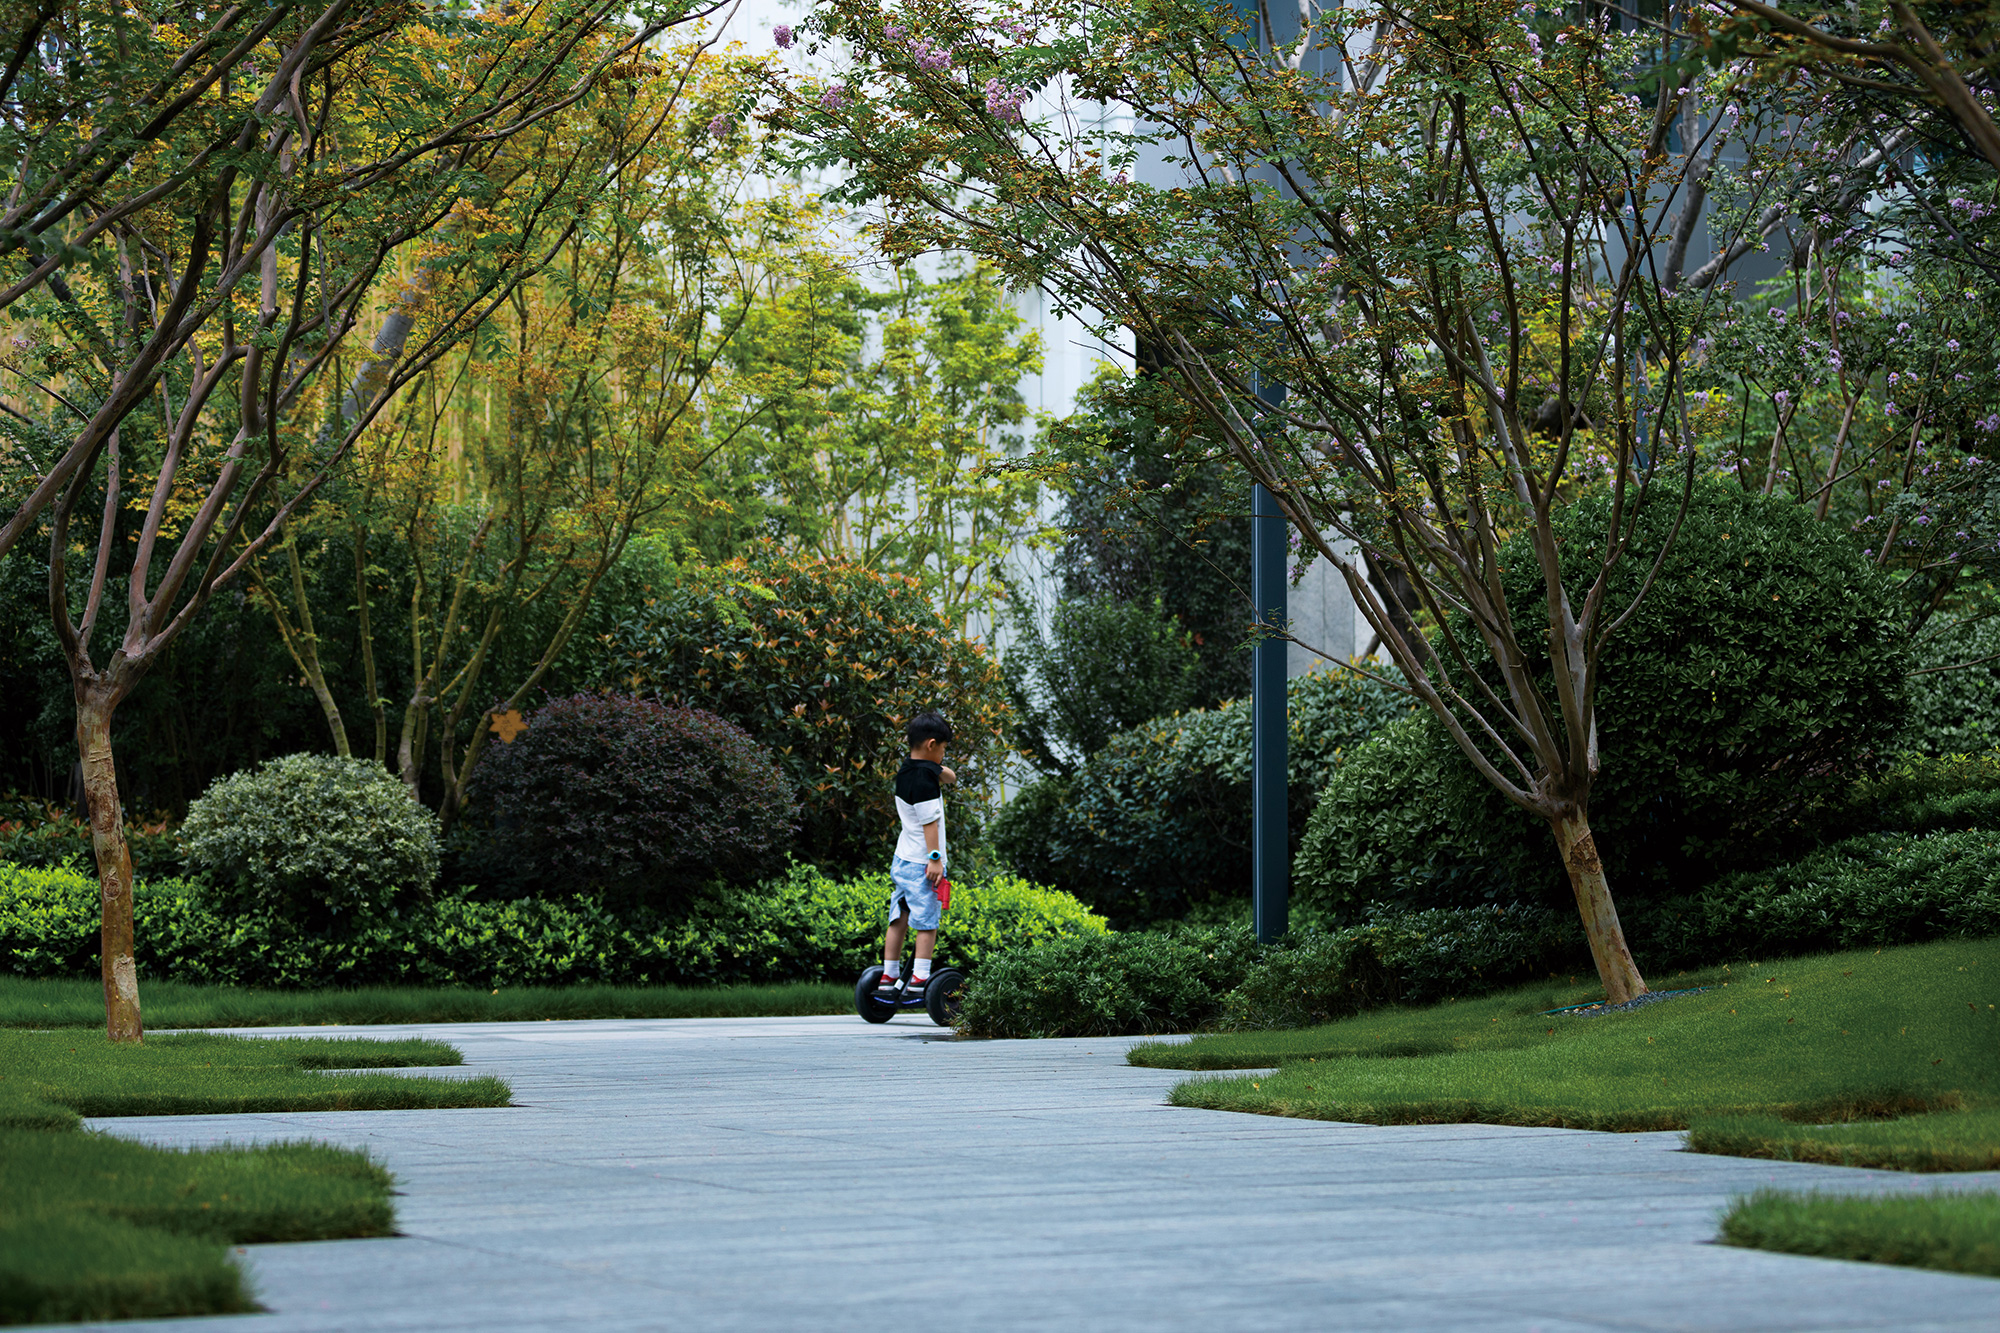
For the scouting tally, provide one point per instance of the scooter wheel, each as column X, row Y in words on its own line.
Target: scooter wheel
column 865, row 1002
column 941, row 997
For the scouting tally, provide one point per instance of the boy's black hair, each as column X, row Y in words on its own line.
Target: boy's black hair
column 929, row 725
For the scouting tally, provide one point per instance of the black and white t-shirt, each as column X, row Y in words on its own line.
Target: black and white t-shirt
column 919, row 801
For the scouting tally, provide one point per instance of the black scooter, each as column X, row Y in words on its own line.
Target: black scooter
column 939, row 997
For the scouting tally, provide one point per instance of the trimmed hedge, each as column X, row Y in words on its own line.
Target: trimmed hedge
column 1159, row 819
column 802, row 926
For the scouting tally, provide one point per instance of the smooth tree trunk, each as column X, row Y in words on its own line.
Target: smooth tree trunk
column 1608, row 949
column 114, row 864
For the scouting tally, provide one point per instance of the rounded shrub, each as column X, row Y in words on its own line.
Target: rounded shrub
column 1955, row 701
column 1762, row 675
column 313, row 837
column 611, row 795
column 823, row 662
column 1159, row 819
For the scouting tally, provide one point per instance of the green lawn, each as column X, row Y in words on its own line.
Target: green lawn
column 1959, row 1233
column 98, row 1228
column 80, row 1003
column 1839, row 1037
column 51, row 1078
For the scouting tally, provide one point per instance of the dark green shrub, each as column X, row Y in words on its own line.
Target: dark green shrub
column 1920, row 794
column 627, row 798
column 1106, row 663
column 824, row 663
column 1160, row 818
column 1956, row 711
column 1760, row 678
column 1107, row 985
column 314, row 837
column 801, row 926
column 1406, row 958
column 1875, row 889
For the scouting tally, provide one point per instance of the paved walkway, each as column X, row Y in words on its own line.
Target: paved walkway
column 781, row 1174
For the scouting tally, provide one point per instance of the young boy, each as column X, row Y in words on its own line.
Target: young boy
column 918, row 863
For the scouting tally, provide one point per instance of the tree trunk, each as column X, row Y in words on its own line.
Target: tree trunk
column 1608, row 950
column 114, row 867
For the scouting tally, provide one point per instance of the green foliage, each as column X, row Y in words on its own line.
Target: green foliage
column 1406, row 958
column 1106, row 985
column 313, row 837
column 1159, row 818
column 1875, row 889
column 1147, row 516
column 1950, row 1231
column 1758, row 680
column 610, row 795
column 823, row 662
column 1106, row 664
column 1956, row 710
column 35, row 834
column 803, row 926
column 1921, row 794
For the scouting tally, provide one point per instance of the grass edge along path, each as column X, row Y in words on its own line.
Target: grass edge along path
column 1836, row 1037
column 1954, row 1233
column 97, row 1227
column 41, row 1003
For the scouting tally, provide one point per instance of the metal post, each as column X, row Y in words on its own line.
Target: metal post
column 1270, row 873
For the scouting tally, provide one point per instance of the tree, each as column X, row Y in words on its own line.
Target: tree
column 880, row 425
column 1448, row 234
column 183, row 326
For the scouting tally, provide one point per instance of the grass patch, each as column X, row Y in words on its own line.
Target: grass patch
column 48, row 1079
column 1958, row 1233
column 1839, row 1037
column 95, row 1227
column 80, row 1003
column 1967, row 1140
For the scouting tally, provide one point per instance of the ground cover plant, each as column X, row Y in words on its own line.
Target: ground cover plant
column 1958, row 1233
column 54, row 1077
column 1836, row 1037
column 69, row 1003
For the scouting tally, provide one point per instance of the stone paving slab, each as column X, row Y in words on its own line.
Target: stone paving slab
column 816, row 1173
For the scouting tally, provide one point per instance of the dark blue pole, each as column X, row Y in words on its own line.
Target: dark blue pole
column 1270, row 873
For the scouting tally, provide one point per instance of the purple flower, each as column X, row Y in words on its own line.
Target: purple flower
column 894, row 32
column 1951, row 345
column 720, row 127
column 1888, row 409
column 1904, row 327
column 782, row 35
column 931, row 58
column 1003, row 101
column 834, row 98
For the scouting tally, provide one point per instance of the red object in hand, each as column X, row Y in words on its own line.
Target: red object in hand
column 944, row 894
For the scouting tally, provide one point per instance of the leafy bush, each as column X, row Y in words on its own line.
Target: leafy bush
column 1956, row 711
column 35, row 834
column 1878, row 888
column 315, row 837
column 1406, row 958
column 801, row 926
column 608, row 794
column 1921, row 794
column 1760, row 678
column 1160, row 818
column 1107, row 985
column 824, row 663
column 1107, row 663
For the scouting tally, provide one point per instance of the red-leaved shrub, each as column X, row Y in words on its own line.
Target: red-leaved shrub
column 629, row 799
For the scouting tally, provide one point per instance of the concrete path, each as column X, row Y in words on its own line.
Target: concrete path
column 781, row 1174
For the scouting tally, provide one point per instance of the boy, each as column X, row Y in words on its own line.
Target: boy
column 918, row 863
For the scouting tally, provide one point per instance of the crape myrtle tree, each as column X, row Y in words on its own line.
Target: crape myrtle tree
column 1449, row 233
column 201, row 204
